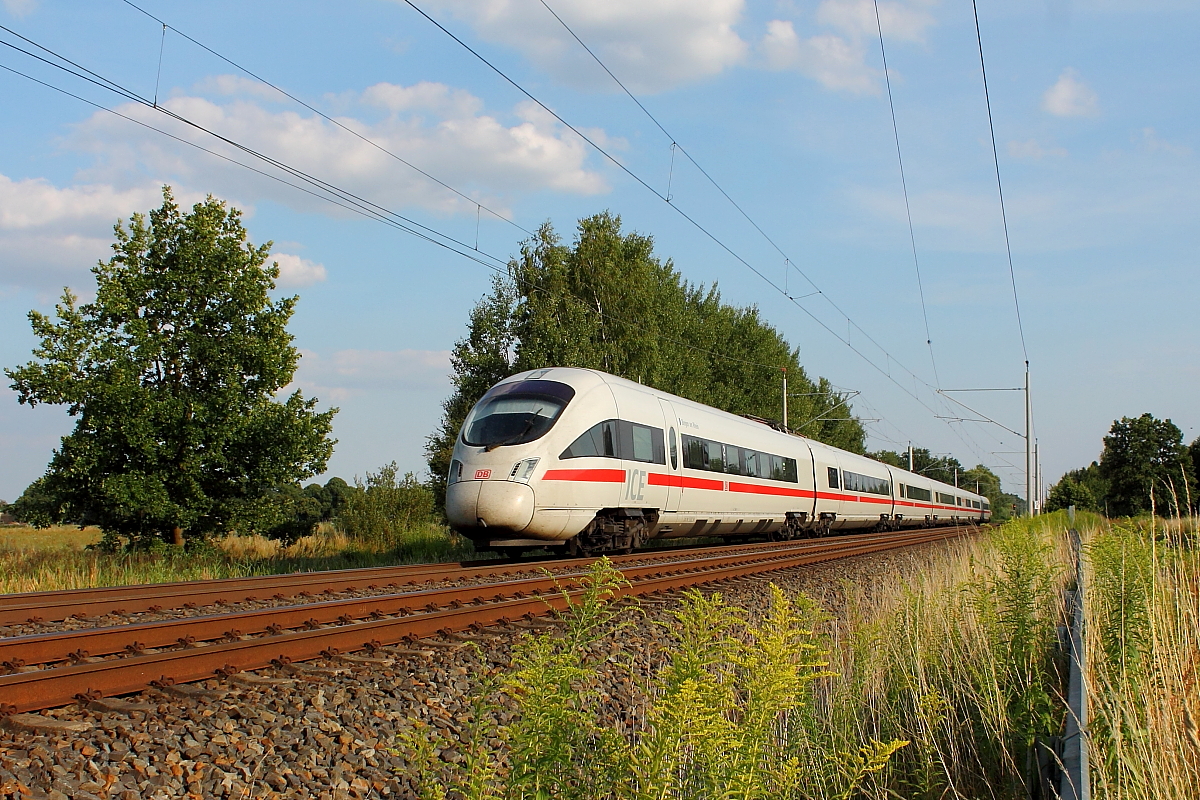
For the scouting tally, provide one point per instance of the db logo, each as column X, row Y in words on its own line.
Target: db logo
column 482, row 474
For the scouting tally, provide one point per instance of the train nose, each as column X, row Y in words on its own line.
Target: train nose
column 492, row 504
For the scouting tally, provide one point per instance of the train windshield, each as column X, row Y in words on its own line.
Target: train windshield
column 516, row 413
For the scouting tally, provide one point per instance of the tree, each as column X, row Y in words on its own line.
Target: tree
column 1070, row 492
column 607, row 302
column 946, row 469
column 1194, row 455
column 172, row 373
column 35, row 506
column 1145, row 465
column 1083, row 488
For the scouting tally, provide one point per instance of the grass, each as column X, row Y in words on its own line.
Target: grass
column 56, row 558
column 59, row 537
column 960, row 659
column 1143, row 649
column 946, row 683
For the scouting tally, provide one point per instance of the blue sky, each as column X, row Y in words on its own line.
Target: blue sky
column 783, row 103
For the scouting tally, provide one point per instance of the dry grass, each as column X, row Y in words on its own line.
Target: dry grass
column 1144, row 661
column 55, row 558
column 59, row 537
column 959, row 660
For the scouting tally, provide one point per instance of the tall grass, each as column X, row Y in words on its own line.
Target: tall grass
column 1143, row 649
column 960, row 660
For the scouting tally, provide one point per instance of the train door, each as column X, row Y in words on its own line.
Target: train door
column 829, row 485
column 674, row 463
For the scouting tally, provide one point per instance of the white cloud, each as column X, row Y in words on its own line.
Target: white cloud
column 20, row 8
column 438, row 128
column 1149, row 140
column 1032, row 150
column 295, row 271
column 838, row 60
column 900, row 22
column 651, row 45
column 1070, row 97
column 836, row 63
column 347, row 373
column 51, row 237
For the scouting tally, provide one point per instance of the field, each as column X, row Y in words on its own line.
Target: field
column 56, row 558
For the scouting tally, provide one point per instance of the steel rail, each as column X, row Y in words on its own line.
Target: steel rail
column 45, row 648
column 40, row 689
column 52, row 606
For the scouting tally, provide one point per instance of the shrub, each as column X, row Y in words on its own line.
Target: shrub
column 384, row 508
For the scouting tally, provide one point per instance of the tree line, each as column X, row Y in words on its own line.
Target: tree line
column 175, row 375
column 1144, row 467
column 949, row 469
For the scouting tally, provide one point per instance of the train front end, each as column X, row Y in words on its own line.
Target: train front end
column 507, row 442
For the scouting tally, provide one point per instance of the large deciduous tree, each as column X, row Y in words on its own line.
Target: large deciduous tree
column 172, row 372
column 1146, row 466
column 607, row 302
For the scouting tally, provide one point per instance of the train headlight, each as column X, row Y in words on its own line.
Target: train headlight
column 522, row 471
column 455, row 472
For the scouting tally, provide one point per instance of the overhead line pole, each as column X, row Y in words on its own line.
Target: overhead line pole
column 1028, row 447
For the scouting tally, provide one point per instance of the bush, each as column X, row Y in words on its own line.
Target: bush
column 384, row 508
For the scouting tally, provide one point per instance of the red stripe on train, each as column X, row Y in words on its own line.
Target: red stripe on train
column 754, row 488
column 591, row 475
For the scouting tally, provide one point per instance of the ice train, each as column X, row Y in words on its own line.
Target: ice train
column 586, row 462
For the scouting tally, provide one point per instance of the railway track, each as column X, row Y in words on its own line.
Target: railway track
column 56, row 668
column 48, row 607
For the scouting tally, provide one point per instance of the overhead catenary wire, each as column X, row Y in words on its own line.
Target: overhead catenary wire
column 363, row 206
column 697, row 225
column 787, row 260
column 324, row 116
column 332, row 193
column 912, row 237
column 999, row 186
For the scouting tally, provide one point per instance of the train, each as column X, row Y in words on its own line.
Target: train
column 582, row 462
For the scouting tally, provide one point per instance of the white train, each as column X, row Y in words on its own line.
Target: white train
column 586, row 461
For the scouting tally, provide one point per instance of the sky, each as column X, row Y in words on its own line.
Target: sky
column 784, row 105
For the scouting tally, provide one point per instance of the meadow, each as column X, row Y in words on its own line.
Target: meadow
column 58, row 558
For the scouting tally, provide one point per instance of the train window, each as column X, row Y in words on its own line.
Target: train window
column 866, row 483
column 833, row 478
column 599, row 440
column 789, row 471
column 516, row 413
column 914, row 493
column 945, row 499
column 695, row 454
column 735, row 460
column 674, row 451
column 617, row 438
column 716, row 456
column 713, row 456
column 640, row 443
